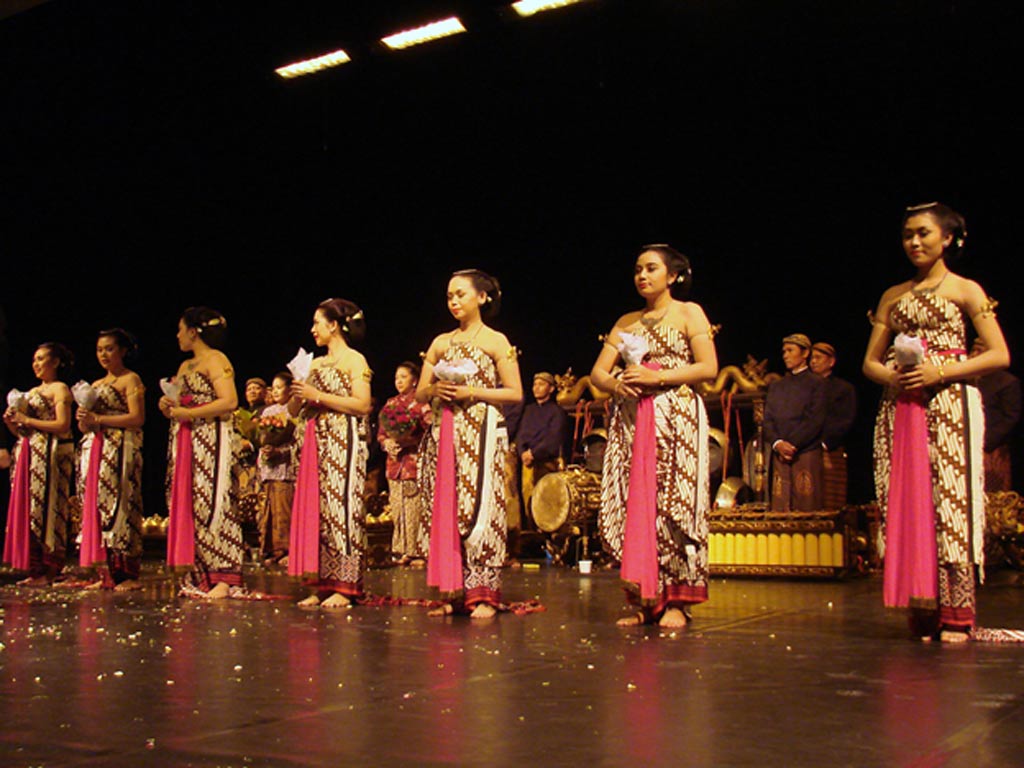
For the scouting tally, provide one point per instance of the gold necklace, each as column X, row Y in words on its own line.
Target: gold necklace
column 466, row 340
column 650, row 322
column 931, row 289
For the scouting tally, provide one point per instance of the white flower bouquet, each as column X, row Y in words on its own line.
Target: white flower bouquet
column 85, row 395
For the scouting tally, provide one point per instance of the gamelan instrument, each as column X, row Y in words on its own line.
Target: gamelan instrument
column 567, row 499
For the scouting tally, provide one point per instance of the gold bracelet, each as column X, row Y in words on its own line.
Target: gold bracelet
column 661, row 380
column 942, row 374
column 472, row 398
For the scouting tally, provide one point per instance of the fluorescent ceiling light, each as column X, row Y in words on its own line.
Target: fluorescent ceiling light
column 309, row 66
column 424, row 34
column 530, row 7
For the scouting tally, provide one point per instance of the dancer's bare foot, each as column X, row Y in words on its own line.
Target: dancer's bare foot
column 94, row 585
column 483, row 611
column 336, row 602
column 310, row 602
column 219, row 591
column 128, row 585
column 35, row 581
column 633, row 620
column 417, row 562
column 952, row 636
column 444, row 610
column 672, row 618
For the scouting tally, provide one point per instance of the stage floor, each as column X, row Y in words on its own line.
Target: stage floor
column 770, row 673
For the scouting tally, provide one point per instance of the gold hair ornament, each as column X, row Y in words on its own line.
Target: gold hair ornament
column 357, row 316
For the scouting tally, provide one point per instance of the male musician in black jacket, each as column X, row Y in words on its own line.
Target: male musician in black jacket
column 840, row 411
column 794, row 420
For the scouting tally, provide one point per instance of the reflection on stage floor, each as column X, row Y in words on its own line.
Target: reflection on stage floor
column 769, row 673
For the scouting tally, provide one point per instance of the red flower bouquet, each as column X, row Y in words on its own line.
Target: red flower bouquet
column 274, row 430
column 397, row 420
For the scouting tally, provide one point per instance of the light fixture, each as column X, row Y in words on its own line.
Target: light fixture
column 530, row 7
column 433, row 31
column 309, row 66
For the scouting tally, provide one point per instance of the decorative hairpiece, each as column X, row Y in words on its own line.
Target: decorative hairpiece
column 922, row 206
column 357, row 316
column 214, row 321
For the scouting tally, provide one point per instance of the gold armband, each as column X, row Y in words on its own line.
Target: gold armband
column 988, row 309
column 513, row 353
column 229, row 373
column 367, row 375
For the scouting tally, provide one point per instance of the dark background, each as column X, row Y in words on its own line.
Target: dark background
column 150, row 159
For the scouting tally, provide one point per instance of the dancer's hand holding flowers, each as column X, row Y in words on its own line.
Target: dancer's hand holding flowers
column 306, row 392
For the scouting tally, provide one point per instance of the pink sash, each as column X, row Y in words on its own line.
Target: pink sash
column 444, row 562
column 911, row 551
column 181, row 537
column 16, row 549
column 304, row 540
column 640, row 542
column 92, row 552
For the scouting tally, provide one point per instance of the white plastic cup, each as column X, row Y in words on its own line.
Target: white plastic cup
column 585, row 566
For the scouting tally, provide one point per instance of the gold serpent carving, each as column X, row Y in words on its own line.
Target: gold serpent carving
column 571, row 389
column 752, row 377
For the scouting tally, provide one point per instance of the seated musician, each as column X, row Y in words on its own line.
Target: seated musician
column 541, row 436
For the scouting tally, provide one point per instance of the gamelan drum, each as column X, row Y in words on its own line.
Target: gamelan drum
column 565, row 498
